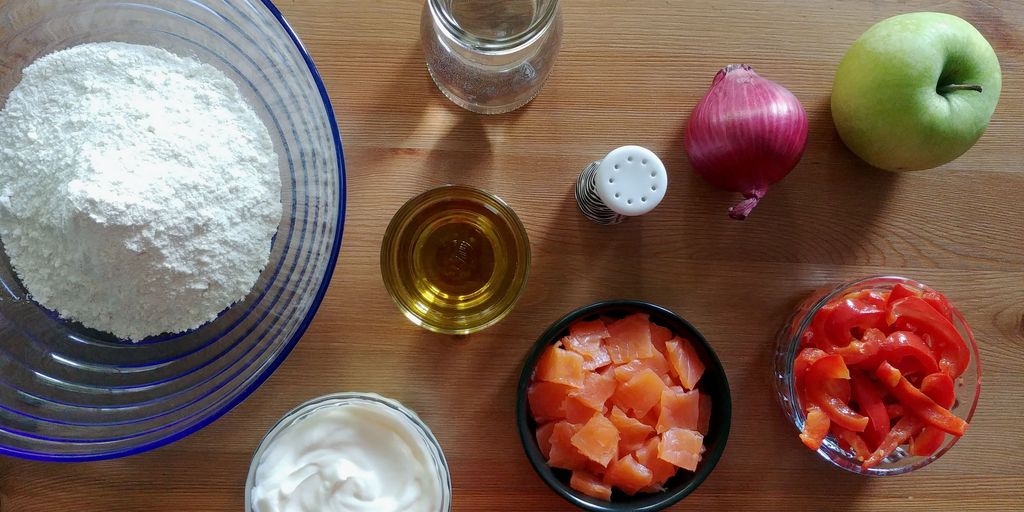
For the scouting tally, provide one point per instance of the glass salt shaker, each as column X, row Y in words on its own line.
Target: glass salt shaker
column 491, row 56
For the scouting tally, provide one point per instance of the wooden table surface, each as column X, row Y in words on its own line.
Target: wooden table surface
column 629, row 72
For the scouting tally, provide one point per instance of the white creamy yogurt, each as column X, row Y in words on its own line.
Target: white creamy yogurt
column 353, row 455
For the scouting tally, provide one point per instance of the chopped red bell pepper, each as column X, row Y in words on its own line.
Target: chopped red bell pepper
column 903, row 430
column 869, row 401
column 853, row 441
column 850, row 318
column 873, row 296
column 908, row 353
column 900, row 291
column 807, row 340
column 939, row 302
column 840, row 389
column 916, row 402
column 926, row 442
column 895, row 411
column 803, row 361
column 815, row 428
column 914, row 314
column 817, row 380
column 938, row 387
column 864, row 349
column 817, row 327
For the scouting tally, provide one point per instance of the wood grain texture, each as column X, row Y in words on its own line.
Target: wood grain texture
column 629, row 72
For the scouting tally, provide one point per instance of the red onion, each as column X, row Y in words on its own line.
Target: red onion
column 746, row 134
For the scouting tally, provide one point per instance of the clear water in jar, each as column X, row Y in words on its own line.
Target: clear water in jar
column 490, row 19
column 493, row 56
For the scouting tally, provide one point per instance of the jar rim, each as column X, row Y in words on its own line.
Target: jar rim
column 450, row 25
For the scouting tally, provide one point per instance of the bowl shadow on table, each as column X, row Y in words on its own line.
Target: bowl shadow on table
column 576, row 262
column 816, row 485
column 465, row 152
column 463, row 155
column 850, row 194
column 568, row 250
column 845, row 186
column 467, row 138
column 410, row 92
column 818, row 215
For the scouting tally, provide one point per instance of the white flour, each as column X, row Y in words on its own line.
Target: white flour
column 138, row 191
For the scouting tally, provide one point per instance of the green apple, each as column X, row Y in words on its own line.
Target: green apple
column 915, row 91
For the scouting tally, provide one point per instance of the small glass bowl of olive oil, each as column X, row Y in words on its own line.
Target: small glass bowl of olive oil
column 455, row 259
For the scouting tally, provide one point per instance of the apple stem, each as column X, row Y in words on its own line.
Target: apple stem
column 946, row 89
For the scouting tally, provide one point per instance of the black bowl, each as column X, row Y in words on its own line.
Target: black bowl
column 714, row 383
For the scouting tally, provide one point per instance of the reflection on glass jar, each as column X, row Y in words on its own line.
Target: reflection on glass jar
column 491, row 56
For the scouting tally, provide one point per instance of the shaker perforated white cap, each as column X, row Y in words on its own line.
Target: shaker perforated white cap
column 628, row 182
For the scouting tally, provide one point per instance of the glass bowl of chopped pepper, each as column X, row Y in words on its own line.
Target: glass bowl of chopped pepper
column 880, row 376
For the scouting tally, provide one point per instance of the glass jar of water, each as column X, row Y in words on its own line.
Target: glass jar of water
column 491, row 56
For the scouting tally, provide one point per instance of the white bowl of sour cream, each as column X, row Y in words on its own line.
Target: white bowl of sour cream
column 349, row 452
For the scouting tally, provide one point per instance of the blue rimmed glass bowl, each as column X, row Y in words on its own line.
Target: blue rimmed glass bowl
column 72, row 394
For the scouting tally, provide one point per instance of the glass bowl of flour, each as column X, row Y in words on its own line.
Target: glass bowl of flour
column 171, row 205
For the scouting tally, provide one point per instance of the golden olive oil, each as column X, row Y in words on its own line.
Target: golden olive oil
column 455, row 259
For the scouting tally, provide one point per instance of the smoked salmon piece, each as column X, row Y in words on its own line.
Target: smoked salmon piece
column 657, row 362
column 597, row 389
column 544, row 438
column 598, row 440
column 547, row 400
column 587, row 340
column 629, row 475
column 651, row 419
column 561, row 367
column 632, row 432
column 641, row 393
column 679, row 409
column 685, row 362
column 661, row 471
column 704, row 414
column 681, row 448
column 595, row 469
column 589, row 328
column 563, row 454
column 629, row 339
column 659, row 335
column 590, row 485
column 579, row 412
